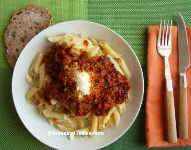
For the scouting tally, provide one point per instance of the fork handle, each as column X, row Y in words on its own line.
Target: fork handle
column 183, row 108
column 170, row 109
column 170, row 114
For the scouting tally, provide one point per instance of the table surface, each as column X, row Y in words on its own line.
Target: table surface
column 130, row 18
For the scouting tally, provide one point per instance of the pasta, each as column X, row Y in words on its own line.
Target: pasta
column 108, row 50
column 121, row 108
column 94, row 123
column 107, row 117
column 53, row 111
column 37, row 62
column 116, row 116
column 118, row 59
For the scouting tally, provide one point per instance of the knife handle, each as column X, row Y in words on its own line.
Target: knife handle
column 183, row 114
column 171, row 120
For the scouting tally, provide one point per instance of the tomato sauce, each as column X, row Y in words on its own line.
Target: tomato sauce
column 108, row 86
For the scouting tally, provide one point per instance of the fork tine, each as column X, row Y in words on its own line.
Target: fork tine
column 170, row 33
column 167, row 33
column 170, row 26
column 163, row 33
column 159, row 34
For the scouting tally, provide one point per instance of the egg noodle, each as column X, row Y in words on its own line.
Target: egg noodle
column 37, row 78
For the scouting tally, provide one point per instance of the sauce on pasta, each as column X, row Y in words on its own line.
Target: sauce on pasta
column 108, row 86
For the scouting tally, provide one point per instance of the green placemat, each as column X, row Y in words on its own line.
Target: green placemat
column 129, row 18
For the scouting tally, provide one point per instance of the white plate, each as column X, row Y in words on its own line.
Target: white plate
column 37, row 125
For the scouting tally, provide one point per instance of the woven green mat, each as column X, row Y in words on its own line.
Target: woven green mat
column 130, row 18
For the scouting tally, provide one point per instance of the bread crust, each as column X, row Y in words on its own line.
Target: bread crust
column 24, row 25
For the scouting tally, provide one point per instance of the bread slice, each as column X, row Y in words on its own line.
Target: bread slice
column 24, row 24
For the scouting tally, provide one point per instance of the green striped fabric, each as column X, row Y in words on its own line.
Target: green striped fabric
column 129, row 18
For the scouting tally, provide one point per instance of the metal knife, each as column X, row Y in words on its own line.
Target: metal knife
column 183, row 64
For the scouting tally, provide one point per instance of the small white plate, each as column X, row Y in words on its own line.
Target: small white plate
column 37, row 125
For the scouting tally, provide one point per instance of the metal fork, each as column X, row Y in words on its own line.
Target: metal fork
column 164, row 47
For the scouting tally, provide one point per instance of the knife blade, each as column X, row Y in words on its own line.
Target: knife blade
column 183, row 64
column 182, row 44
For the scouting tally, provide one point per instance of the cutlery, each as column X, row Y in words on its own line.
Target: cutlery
column 164, row 47
column 183, row 64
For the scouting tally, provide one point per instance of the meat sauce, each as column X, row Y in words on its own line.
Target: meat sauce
column 108, row 86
